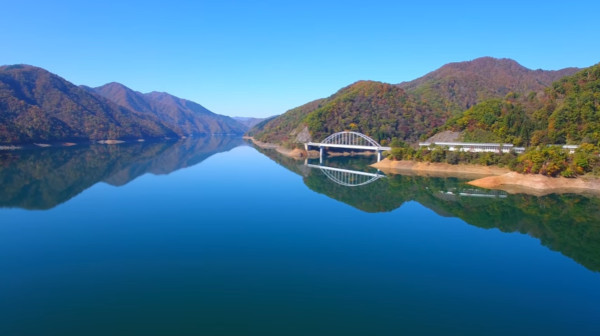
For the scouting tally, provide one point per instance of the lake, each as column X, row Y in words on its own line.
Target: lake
column 212, row 236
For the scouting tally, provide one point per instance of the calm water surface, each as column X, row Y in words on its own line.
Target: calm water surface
column 213, row 237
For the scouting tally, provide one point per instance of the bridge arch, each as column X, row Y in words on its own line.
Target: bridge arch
column 350, row 179
column 350, row 138
column 347, row 177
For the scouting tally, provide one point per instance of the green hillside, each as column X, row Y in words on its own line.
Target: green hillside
column 382, row 111
column 566, row 112
column 570, row 111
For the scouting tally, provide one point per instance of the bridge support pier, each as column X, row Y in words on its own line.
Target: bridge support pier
column 378, row 156
column 321, row 155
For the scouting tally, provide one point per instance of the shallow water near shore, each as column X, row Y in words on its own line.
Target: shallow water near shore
column 212, row 236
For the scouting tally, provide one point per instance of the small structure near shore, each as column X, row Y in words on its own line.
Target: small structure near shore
column 477, row 147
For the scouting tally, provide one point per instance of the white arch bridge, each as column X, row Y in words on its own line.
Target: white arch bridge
column 348, row 140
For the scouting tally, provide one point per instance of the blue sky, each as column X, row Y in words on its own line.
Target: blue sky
column 260, row 58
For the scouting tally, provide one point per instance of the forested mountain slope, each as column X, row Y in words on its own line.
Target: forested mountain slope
column 38, row 106
column 184, row 116
column 410, row 110
column 566, row 112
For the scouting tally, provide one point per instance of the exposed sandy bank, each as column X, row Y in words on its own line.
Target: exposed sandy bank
column 11, row 147
column 538, row 184
column 110, row 142
column 435, row 169
column 336, row 154
column 495, row 177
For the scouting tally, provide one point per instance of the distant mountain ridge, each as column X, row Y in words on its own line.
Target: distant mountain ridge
column 39, row 106
column 458, row 86
column 249, row 122
column 187, row 117
column 408, row 110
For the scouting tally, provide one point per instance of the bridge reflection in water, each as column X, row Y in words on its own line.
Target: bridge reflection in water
column 347, row 177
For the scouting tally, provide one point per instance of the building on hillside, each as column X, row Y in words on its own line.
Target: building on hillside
column 474, row 147
column 570, row 148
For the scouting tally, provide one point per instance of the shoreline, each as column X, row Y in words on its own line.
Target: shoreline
column 296, row 153
column 493, row 177
column 61, row 144
column 435, row 169
column 539, row 185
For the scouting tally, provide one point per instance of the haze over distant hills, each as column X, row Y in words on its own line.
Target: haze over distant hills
column 38, row 106
column 249, row 122
column 407, row 110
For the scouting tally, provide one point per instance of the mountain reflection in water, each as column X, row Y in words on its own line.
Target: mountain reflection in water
column 567, row 223
column 44, row 178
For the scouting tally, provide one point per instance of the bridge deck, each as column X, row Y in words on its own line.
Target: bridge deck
column 373, row 148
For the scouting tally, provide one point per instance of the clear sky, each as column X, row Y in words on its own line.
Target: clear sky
column 260, row 58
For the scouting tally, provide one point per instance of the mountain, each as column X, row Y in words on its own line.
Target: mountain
column 38, row 106
column 380, row 110
column 568, row 111
column 457, row 86
column 249, row 122
column 407, row 110
column 185, row 117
